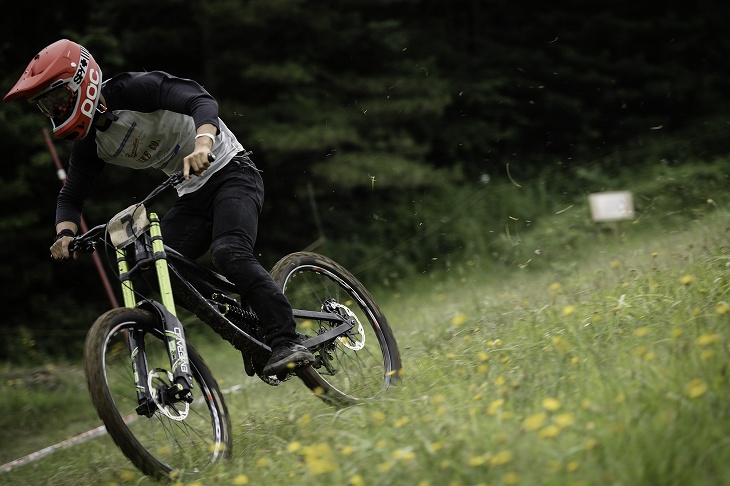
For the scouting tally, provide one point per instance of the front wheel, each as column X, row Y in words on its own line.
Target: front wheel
column 355, row 366
column 171, row 437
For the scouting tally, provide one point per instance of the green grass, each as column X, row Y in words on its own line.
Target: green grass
column 605, row 364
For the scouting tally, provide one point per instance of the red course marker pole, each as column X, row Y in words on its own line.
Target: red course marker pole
column 97, row 261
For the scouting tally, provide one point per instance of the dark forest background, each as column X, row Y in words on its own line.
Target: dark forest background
column 381, row 126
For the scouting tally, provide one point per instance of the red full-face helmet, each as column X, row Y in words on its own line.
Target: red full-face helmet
column 64, row 81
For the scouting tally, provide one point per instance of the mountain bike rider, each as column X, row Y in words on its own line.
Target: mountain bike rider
column 155, row 120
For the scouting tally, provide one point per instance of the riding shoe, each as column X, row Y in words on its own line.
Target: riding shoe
column 286, row 357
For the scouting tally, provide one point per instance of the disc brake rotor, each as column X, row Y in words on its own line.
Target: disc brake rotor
column 354, row 339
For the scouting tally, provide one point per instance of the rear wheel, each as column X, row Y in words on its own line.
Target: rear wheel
column 178, row 436
column 353, row 367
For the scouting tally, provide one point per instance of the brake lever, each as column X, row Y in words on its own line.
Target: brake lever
column 178, row 177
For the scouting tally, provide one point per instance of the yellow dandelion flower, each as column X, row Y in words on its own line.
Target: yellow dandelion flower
column 293, row 446
column 551, row 404
column 436, row 446
column 475, row 461
column 495, row 405
column 318, row 459
column 574, row 360
column 677, row 332
column 357, row 480
column 501, row 457
column 640, row 351
column 483, row 356
column 641, row 332
column 561, row 344
column 572, row 466
column 511, row 478
column 262, row 461
column 240, row 480
column 405, row 454
column 385, row 467
column 378, row 417
column 687, row 279
column 650, row 356
column 127, row 476
column 696, row 388
column 482, row 368
column 568, row 310
column 304, row 419
column 534, row 422
column 500, row 380
column 450, row 355
column 347, row 450
column 615, row 264
column 707, row 339
column 591, row 443
column 722, row 308
column 458, row 319
column 381, row 443
column 401, row 422
column 654, row 254
column 564, row 419
column 549, row 432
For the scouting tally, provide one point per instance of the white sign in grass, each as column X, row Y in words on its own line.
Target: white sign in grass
column 611, row 206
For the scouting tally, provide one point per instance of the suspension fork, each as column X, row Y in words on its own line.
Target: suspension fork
column 172, row 329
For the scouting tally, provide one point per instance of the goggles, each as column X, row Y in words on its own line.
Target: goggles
column 56, row 103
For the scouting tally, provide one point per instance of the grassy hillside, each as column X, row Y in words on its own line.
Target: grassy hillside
column 606, row 363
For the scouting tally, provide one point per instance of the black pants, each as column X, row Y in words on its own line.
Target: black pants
column 223, row 216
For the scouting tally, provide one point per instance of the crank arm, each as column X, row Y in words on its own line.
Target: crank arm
column 328, row 335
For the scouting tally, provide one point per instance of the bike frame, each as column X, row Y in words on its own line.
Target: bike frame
column 200, row 291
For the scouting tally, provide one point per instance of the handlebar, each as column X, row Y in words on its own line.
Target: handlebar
column 86, row 243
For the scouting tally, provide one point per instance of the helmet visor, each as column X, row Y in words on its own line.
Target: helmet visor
column 56, row 103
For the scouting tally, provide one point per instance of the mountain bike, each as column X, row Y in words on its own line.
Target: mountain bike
column 151, row 388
